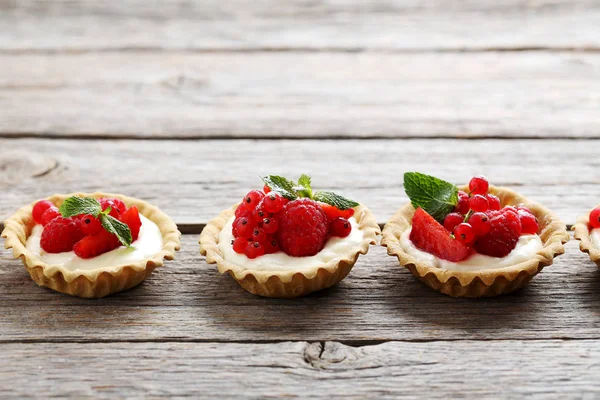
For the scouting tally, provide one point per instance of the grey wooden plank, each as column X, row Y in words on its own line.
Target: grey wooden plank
column 379, row 301
column 440, row 370
column 274, row 95
column 401, row 25
column 194, row 180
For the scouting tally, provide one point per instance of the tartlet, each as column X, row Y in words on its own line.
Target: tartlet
column 582, row 233
column 481, row 283
column 95, row 283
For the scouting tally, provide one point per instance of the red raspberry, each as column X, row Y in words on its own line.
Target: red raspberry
column 529, row 223
column 464, row 233
column 270, row 225
column 302, row 228
column 254, row 249
column 481, row 223
column 511, row 209
column 430, row 236
column 493, row 201
column 131, row 217
column 117, row 207
column 479, row 185
column 39, row 208
column 462, row 206
column 243, row 226
column 452, row 220
column 478, row 203
column 333, row 212
column 59, row 235
column 50, row 214
column 595, row 218
column 503, row 235
column 89, row 224
column 271, row 246
column 340, row 227
column 273, row 203
column 239, row 245
column 94, row 245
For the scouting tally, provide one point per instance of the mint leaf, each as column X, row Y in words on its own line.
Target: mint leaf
column 116, row 227
column 79, row 205
column 432, row 194
column 335, row 200
column 281, row 185
column 304, row 189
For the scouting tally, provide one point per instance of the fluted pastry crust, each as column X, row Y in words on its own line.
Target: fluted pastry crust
column 582, row 233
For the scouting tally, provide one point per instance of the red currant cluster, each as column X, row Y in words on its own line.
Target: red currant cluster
column 266, row 222
column 474, row 215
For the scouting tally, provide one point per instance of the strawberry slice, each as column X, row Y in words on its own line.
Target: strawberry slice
column 94, row 245
column 430, row 236
column 131, row 217
column 332, row 212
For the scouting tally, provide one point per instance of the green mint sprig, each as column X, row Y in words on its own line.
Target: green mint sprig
column 432, row 194
column 302, row 189
column 88, row 205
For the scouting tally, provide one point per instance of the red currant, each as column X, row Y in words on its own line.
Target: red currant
column 271, row 246
column 595, row 218
column 49, row 215
column 479, row 185
column 89, row 224
column 273, row 203
column 39, row 208
column 452, row 220
column 260, row 213
column 494, row 202
column 464, row 233
column 270, row 225
column 243, row 227
column 239, row 245
column 252, row 199
column 243, row 211
column 340, row 227
column 266, row 189
column 259, row 235
column 481, row 223
column 478, row 203
column 463, row 203
column 254, row 249
column 529, row 223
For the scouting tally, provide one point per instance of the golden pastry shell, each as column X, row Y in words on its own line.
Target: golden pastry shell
column 582, row 233
column 93, row 283
column 287, row 283
column 483, row 283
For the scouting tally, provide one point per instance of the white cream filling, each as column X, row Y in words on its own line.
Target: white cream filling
column 335, row 248
column 526, row 247
column 148, row 243
column 595, row 235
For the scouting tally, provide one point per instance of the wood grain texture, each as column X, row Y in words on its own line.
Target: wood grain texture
column 302, row 95
column 193, row 181
column 440, row 370
column 398, row 25
column 188, row 300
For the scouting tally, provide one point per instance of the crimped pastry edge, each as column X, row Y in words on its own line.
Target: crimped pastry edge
column 484, row 283
column 582, row 233
column 287, row 283
column 89, row 283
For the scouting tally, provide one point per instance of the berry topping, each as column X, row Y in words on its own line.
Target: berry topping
column 479, row 185
column 266, row 189
column 340, row 227
column 481, row 223
column 333, row 212
column 254, row 249
column 302, row 228
column 39, row 208
column 529, row 223
column 239, row 245
column 595, row 218
column 49, row 215
column 94, row 245
column 243, row 227
column 131, row 218
column 493, row 202
column 252, row 199
column 430, row 236
column 503, row 235
column 259, row 235
column 270, row 225
column 273, row 203
column 464, row 233
column 117, row 207
column 271, row 246
column 452, row 220
column 478, row 203
column 60, row 235
column 89, row 224
column 462, row 206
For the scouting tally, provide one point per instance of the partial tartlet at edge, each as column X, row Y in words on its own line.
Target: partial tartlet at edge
column 582, row 233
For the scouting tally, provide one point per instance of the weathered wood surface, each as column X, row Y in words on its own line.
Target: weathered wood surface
column 274, row 95
column 189, row 301
column 399, row 25
column 439, row 370
column 194, row 180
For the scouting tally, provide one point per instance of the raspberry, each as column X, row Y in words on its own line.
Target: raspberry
column 503, row 235
column 479, row 185
column 493, row 202
column 252, row 199
column 254, row 249
column 478, row 203
column 273, row 203
column 117, row 207
column 239, row 245
column 94, row 245
column 131, row 217
column 39, row 208
column 89, row 224
column 529, row 223
column 333, row 212
column 452, row 220
column 462, row 206
column 50, row 214
column 270, row 225
column 340, row 227
column 464, row 233
column 430, row 236
column 60, row 235
column 595, row 218
column 511, row 209
column 271, row 246
column 302, row 228
column 481, row 223
column 243, row 227
column 259, row 235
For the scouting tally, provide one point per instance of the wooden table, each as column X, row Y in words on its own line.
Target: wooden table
column 185, row 103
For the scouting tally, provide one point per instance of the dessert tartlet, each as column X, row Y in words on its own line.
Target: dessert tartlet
column 474, row 241
column 587, row 231
column 91, row 245
column 287, row 241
